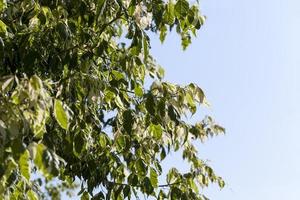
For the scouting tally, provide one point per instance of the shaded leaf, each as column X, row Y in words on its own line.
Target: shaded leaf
column 181, row 8
column 153, row 178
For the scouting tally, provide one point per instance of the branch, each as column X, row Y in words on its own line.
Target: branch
column 119, row 14
column 169, row 185
column 160, row 186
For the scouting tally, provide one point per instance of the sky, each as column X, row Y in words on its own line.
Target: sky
column 246, row 59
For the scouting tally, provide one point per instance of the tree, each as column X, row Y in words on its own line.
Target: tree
column 74, row 106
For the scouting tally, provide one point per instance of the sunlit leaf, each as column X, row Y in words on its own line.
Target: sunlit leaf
column 60, row 114
column 24, row 165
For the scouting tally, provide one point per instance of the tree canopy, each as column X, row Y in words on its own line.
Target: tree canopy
column 75, row 108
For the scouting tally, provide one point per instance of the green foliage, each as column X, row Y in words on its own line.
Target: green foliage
column 74, row 106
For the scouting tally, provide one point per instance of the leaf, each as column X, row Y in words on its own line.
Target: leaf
column 38, row 160
column 163, row 153
column 190, row 102
column 121, row 142
column 119, row 102
column 150, row 104
column 185, row 41
column 118, row 75
column 32, row 195
column 3, row 29
column 128, row 121
column 138, row 91
column 141, row 167
column 79, row 143
column 60, row 114
column 102, row 140
column 148, row 188
column 6, row 83
column 126, row 192
column 163, row 34
column 169, row 15
column 24, row 165
column 156, row 131
column 153, row 178
column 146, row 47
column 221, row 182
column 133, row 179
column 85, row 196
column 160, row 72
column 63, row 30
column 2, row 5
column 181, row 8
column 36, row 83
column 199, row 95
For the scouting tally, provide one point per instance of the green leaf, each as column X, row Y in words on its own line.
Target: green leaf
column 181, row 8
column 85, row 196
column 163, row 154
column 163, row 34
column 32, row 195
column 146, row 48
column 199, row 95
column 39, row 160
column 36, row 83
column 153, row 178
column 148, row 188
column 2, row 5
column 160, row 72
column 121, row 142
column 133, row 179
column 6, row 83
column 24, row 165
column 141, row 167
column 138, row 91
column 79, row 143
column 118, row 75
column 126, row 192
column 169, row 15
column 63, row 30
column 128, row 121
column 3, row 29
column 190, row 102
column 119, row 102
column 156, row 131
column 102, row 140
column 150, row 104
column 221, row 182
column 60, row 114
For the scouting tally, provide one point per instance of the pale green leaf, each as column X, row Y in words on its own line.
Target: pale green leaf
column 3, row 29
column 3, row 5
column 119, row 102
column 32, row 195
column 156, row 131
column 36, row 83
column 60, row 114
column 24, row 165
column 118, row 75
column 138, row 91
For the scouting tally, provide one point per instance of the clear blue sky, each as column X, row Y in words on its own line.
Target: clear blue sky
column 247, row 60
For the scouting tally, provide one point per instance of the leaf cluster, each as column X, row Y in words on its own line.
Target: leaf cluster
column 74, row 105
